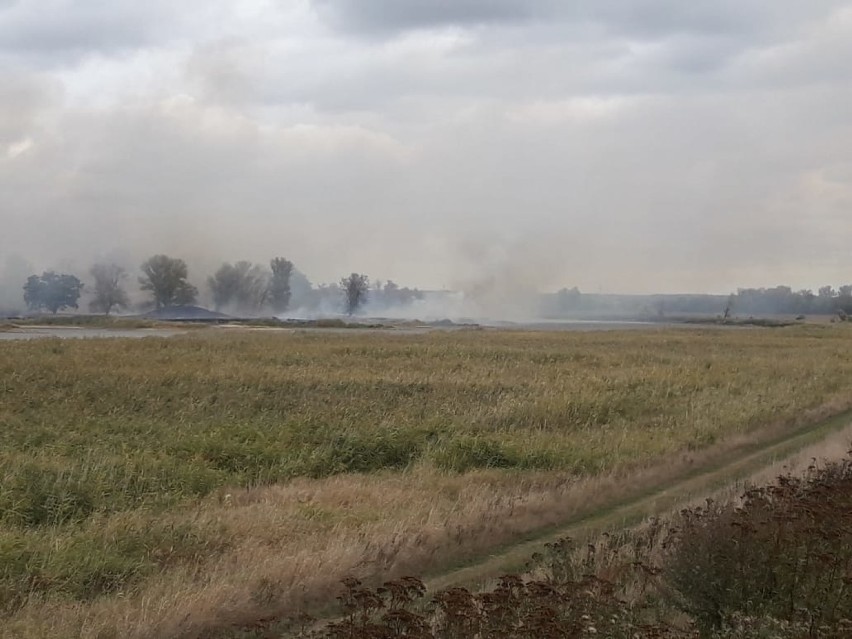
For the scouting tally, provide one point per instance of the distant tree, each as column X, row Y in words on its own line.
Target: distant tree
column 242, row 285
column 355, row 290
column 729, row 306
column 166, row 277
column 326, row 297
column 826, row 292
column 52, row 291
column 224, row 284
column 844, row 300
column 279, row 284
column 391, row 295
column 301, row 289
column 568, row 300
column 108, row 290
column 780, row 299
column 803, row 301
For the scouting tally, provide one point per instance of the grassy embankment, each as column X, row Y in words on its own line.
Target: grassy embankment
column 150, row 487
column 84, row 321
column 125, row 322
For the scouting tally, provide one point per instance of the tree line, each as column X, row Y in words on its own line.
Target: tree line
column 782, row 299
column 778, row 300
column 242, row 286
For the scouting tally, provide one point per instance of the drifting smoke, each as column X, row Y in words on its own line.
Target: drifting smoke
column 503, row 280
column 680, row 149
column 491, row 279
column 13, row 274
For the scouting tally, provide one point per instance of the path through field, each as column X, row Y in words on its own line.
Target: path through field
column 824, row 432
column 700, row 481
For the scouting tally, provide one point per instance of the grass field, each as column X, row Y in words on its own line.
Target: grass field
column 153, row 487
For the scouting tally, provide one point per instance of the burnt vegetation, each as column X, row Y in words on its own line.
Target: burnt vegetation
column 775, row 563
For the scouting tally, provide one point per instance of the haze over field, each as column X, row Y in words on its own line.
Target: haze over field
column 617, row 146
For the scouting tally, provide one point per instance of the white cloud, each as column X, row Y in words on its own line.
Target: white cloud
column 578, row 110
column 17, row 148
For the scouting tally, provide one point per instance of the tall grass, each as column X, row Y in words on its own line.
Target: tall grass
column 129, row 465
column 774, row 563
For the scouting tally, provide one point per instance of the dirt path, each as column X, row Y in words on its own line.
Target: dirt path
column 700, row 482
column 713, row 470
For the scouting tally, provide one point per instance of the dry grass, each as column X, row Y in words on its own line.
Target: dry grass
column 772, row 563
column 228, row 460
column 834, row 447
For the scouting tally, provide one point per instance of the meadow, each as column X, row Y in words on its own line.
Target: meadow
column 169, row 487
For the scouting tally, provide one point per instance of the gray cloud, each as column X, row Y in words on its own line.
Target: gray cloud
column 683, row 147
column 57, row 31
column 652, row 18
column 385, row 16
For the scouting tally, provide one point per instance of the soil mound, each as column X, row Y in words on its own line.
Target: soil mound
column 186, row 314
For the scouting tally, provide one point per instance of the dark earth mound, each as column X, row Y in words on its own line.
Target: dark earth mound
column 186, row 314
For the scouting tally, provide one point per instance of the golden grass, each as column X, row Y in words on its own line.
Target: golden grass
column 464, row 441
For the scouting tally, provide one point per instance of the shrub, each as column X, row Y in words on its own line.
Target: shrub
column 784, row 553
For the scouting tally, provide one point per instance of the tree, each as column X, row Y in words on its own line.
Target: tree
column 165, row 277
column 108, row 293
column 224, row 284
column 242, row 285
column 279, row 285
column 729, row 306
column 355, row 289
column 390, row 294
column 843, row 304
column 302, row 292
column 52, row 291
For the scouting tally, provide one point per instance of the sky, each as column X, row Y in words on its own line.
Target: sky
column 614, row 145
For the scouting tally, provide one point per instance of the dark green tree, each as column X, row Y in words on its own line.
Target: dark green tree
column 279, row 284
column 108, row 290
column 355, row 290
column 242, row 285
column 166, row 277
column 52, row 291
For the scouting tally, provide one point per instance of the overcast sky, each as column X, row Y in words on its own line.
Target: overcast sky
column 616, row 145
